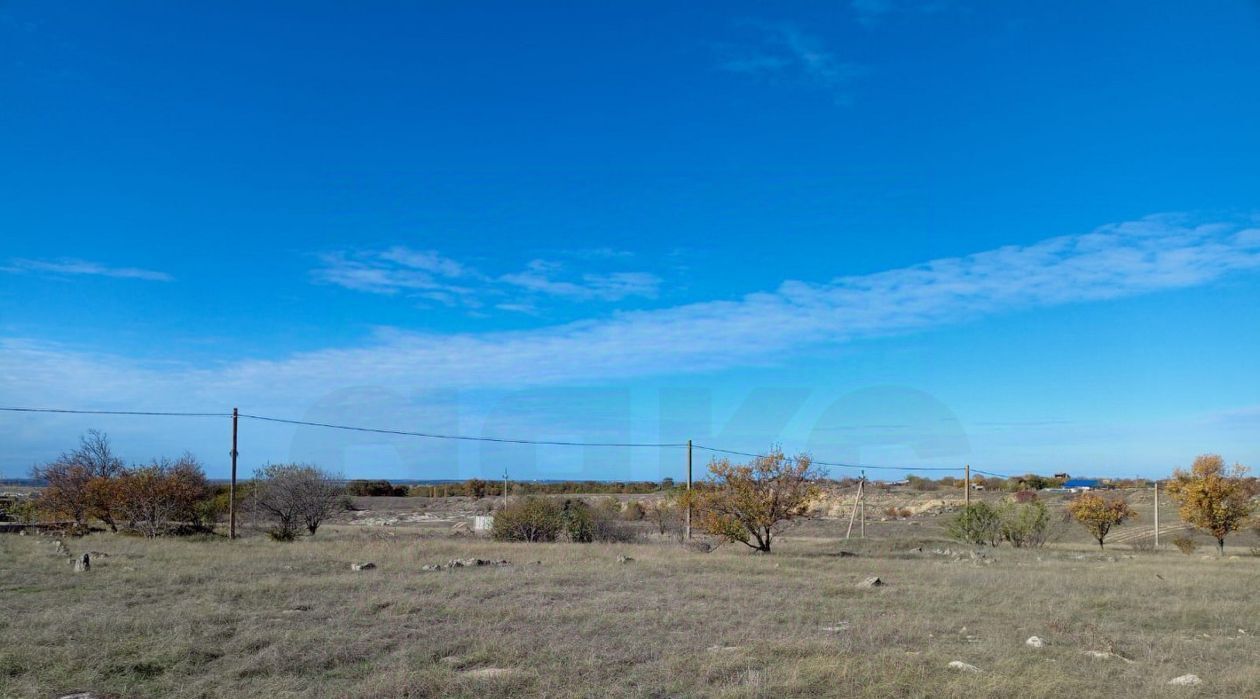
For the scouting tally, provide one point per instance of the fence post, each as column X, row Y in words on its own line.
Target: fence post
column 967, row 487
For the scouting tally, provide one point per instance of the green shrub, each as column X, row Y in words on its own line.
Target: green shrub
column 1024, row 525
column 532, row 519
column 976, row 524
column 579, row 521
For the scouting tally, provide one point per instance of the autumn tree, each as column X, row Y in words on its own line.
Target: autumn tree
column 1099, row 514
column 748, row 503
column 1213, row 497
column 161, row 496
column 80, row 482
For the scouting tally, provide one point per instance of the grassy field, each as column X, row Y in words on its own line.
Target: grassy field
column 203, row 618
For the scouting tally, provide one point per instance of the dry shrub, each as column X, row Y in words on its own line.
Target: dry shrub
column 1185, row 544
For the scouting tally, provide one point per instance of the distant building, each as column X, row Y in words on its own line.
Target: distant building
column 1061, row 476
column 1078, row 485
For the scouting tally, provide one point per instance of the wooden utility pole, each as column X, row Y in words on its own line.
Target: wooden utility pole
column 1157, row 513
column 505, row 488
column 232, row 490
column 688, row 488
column 967, row 487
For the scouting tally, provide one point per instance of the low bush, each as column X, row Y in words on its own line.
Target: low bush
column 1024, row 497
column 634, row 512
column 1024, row 525
column 976, row 524
column 533, row 519
column 585, row 524
column 1185, row 544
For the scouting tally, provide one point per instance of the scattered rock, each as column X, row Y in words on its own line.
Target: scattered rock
column 60, row 546
column 842, row 626
column 963, row 667
column 83, row 563
column 625, row 559
column 1035, row 642
column 871, row 582
column 489, row 673
column 1105, row 655
column 1186, row 681
column 465, row 563
column 81, row 695
column 362, row 566
column 99, row 554
column 475, row 562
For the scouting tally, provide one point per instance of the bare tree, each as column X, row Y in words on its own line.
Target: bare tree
column 294, row 496
column 79, row 481
column 161, row 496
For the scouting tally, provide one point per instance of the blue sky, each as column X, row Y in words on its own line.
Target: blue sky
column 1023, row 236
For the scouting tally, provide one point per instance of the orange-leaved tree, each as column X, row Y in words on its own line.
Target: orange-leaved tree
column 1099, row 514
column 1213, row 497
column 749, row 502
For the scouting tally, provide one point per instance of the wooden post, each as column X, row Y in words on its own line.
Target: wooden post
column 232, row 489
column 862, row 505
column 505, row 488
column 856, row 499
column 1157, row 513
column 688, row 488
column 967, row 487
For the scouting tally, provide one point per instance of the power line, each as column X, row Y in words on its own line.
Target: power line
column 831, row 463
column 995, row 475
column 113, row 412
column 466, row 438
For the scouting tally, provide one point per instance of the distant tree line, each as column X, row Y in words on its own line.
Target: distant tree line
column 482, row 488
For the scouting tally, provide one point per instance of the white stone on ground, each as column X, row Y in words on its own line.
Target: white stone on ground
column 963, row 667
column 1186, row 681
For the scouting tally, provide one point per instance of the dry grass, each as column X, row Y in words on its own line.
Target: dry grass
column 202, row 618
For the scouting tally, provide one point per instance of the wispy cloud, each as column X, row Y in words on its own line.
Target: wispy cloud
column 783, row 50
column 543, row 277
column 75, row 267
column 430, row 276
column 392, row 271
column 1114, row 261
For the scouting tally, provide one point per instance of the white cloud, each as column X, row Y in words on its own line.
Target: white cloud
column 74, row 267
column 429, row 276
column 784, row 50
column 1127, row 259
